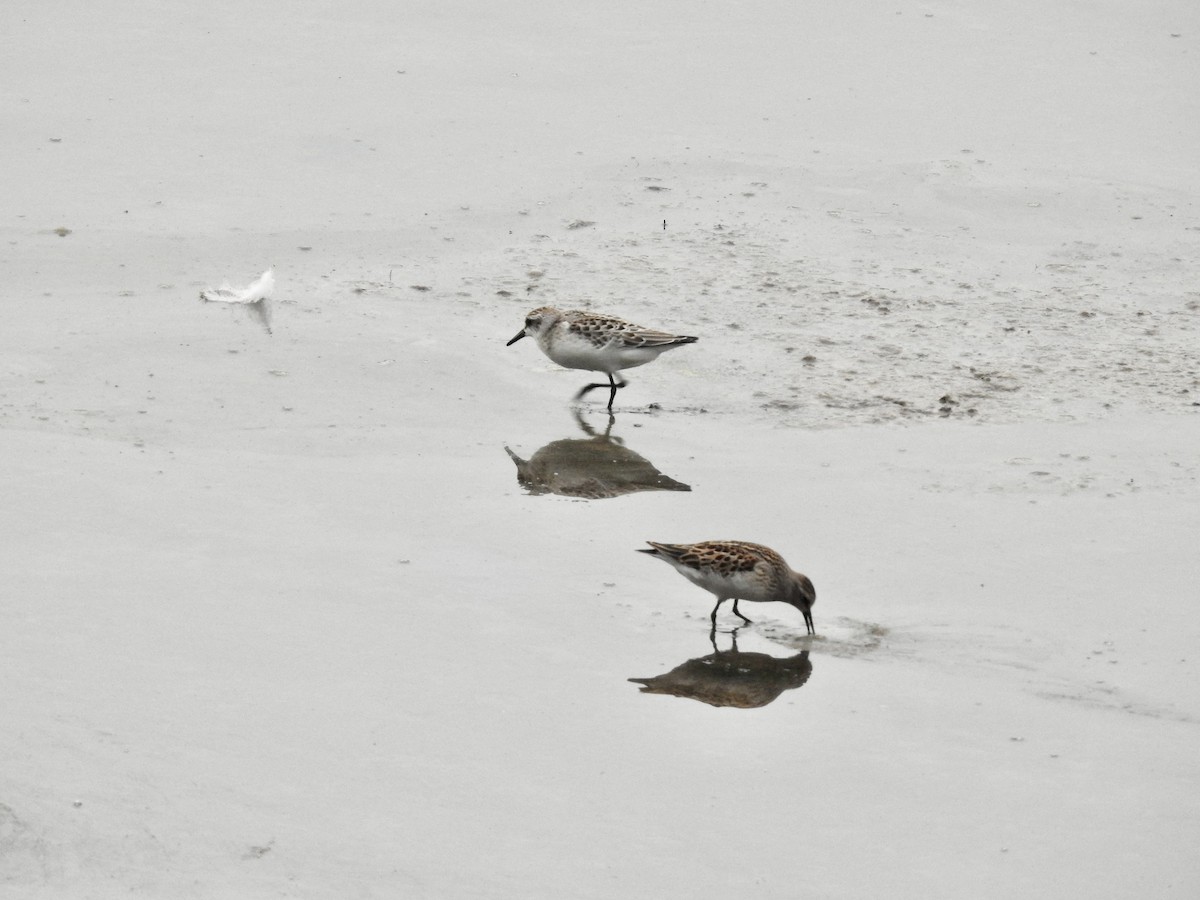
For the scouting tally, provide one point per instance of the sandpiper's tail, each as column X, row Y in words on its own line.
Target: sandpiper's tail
column 664, row 551
column 645, row 337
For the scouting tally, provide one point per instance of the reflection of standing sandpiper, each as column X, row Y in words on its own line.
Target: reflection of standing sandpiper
column 591, row 468
column 598, row 343
column 737, row 570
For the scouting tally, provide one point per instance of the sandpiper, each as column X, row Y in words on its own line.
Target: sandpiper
column 737, row 570
column 583, row 340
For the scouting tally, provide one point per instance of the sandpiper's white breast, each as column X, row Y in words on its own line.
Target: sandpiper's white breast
column 573, row 350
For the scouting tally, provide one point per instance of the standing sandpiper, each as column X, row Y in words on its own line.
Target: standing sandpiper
column 598, row 343
column 737, row 570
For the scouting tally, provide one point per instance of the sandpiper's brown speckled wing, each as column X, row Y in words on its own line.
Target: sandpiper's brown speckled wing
column 600, row 329
column 722, row 557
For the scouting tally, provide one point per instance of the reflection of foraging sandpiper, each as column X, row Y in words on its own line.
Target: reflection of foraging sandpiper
column 736, row 570
column 598, row 343
column 731, row 678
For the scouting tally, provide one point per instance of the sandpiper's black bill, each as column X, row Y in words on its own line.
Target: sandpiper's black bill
column 520, row 334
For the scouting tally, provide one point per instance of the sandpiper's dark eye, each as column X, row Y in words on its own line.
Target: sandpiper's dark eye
column 528, row 322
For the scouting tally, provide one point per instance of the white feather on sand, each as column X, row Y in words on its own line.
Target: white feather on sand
column 254, row 293
column 254, row 297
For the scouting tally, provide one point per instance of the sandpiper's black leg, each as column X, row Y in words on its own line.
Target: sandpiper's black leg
column 586, row 388
column 612, row 395
column 738, row 613
column 714, row 612
column 613, row 385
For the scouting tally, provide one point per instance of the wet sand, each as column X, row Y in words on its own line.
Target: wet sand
column 281, row 619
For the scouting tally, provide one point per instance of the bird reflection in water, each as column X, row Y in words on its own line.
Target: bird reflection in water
column 590, row 468
column 731, row 678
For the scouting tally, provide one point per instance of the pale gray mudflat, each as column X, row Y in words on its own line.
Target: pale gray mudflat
column 277, row 618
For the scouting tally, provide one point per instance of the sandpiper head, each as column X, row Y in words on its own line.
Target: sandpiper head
column 803, row 596
column 541, row 319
